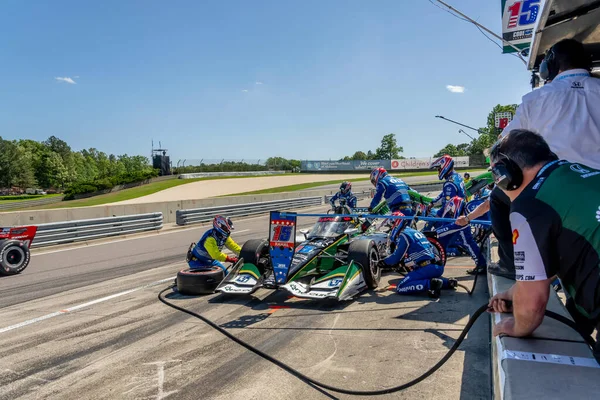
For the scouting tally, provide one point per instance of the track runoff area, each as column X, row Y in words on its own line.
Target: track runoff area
column 85, row 322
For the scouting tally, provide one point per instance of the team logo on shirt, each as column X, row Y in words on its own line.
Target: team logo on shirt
column 515, row 236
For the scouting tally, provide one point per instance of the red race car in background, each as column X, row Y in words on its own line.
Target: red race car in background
column 14, row 248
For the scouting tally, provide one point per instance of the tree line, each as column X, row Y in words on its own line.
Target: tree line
column 52, row 164
column 387, row 150
column 487, row 137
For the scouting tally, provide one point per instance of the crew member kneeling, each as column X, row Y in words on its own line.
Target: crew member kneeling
column 412, row 247
column 208, row 251
column 553, row 235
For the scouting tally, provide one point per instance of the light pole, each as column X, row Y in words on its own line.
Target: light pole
column 469, row 136
column 458, row 123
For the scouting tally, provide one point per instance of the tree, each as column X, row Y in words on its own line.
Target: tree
column 54, row 172
column 453, row 151
column 58, row 146
column 489, row 135
column 389, row 149
column 359, row 155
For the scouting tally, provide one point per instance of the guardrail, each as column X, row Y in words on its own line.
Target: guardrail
column 90, row 229
column 29, row 203
column 193, row 175
column 198, row 215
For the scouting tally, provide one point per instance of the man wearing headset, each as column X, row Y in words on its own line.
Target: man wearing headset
column 565, row 112
column 552, row 236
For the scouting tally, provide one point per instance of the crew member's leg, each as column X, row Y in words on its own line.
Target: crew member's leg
column 500, row 216
column 585, row 325
column 447, row 235
column 419, row 280
column 216, row 263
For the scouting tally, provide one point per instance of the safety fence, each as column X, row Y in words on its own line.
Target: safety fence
column 13, row 205
column 90, row 229
column 198, row 215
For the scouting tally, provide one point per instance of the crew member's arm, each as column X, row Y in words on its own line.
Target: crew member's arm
column 476, row 213
column 378, row 195
column 399, row 252
column 233, row 246
column 533, row 257
column 352, row 201
column 334, row 198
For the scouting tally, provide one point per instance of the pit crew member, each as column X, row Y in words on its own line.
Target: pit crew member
column 454, row 184
column 346, row 194
column 393, row 190
column 553, row 235
column 455, row 234
column 208, row 251
column 413, row 248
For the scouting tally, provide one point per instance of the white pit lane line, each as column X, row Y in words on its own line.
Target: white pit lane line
column 80, row 306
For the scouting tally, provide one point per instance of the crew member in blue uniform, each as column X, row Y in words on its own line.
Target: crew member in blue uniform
column 413, row 248
column 346, row 194
column 393, row 190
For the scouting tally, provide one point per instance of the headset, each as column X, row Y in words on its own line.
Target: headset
column 507, row 174
column 549, row 66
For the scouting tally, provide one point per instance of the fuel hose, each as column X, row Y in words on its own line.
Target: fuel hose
column 481, row 310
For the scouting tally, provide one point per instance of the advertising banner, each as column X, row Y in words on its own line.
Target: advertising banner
column 518, row 21
column 353, row 165
column 424, row 163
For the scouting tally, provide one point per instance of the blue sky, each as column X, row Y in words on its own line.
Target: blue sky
column 249, row 79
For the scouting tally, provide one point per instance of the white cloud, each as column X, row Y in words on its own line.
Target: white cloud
column 65, row 79
column 456, row 89
column 259, row 83
column 244, row 90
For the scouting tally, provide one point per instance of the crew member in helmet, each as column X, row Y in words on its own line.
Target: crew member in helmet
column 454, row 234
column 416, row 252
column 346, row 194
column 454, row 184
column 393, row 190
column 208, row 251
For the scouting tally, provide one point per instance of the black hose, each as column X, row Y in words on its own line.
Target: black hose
column 307, row 379
column 314, row 382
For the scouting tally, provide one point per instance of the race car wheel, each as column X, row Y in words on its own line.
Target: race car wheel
column 256, row 251
column 438, row 250
column 14, row 257
column 202, row 281
column 364, row 253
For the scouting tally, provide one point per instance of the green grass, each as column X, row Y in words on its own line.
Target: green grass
column 134, row 193
column 7, row 199
column 311, row 185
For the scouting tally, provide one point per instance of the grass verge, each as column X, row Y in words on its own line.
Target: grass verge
column 6, row 200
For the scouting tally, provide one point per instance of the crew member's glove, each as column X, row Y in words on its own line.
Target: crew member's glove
column 231, row 259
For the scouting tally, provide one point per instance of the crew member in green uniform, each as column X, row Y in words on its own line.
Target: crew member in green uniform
column 553, row 234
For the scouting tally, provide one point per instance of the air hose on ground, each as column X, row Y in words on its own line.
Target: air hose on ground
column 481, row 310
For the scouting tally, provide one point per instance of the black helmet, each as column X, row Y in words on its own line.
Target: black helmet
column 345, row 187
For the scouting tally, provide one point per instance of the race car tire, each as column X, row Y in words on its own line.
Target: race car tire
column 196, row 282
column 256, row 251
column 14, row 257
column 364, row 253
column 438, row 250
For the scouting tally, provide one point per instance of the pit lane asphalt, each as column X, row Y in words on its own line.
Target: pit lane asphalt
column 134, row 347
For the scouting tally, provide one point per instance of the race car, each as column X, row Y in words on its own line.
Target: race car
column 335, row 259
column 14, row 249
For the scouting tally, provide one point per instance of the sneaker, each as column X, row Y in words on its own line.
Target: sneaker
column 477, row 271
column 435, row 288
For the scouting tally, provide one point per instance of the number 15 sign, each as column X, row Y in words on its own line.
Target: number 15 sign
column 518, row 21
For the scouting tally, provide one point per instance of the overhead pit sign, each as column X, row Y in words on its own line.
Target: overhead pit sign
column 519, row 18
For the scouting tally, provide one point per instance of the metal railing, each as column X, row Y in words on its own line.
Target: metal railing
column 89, row 229
column 198, row 215
column 29, row 203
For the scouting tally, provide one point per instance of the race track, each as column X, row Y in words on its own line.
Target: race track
column 221, row 187
column 85, row 323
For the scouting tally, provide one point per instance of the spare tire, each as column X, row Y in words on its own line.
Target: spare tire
column 364, row 253
column 438, row 250
column 199, row 281
column 14, row 257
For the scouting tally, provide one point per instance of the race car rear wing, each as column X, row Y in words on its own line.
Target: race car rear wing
column 23, row 233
